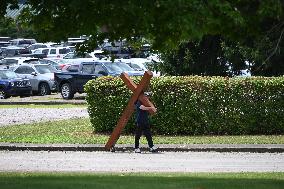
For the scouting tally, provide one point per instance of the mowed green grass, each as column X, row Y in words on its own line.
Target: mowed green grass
column 142, row 181
column 79, row 131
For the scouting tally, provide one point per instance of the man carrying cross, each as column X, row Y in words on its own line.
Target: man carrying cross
column 138, row 95
column 143, row 125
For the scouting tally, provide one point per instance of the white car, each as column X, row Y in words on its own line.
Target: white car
column 97, row 54
column 20, row 42
column 13, row 61
column 53, row 52
column 41, row 77
column 35, row 46
column 140, row 64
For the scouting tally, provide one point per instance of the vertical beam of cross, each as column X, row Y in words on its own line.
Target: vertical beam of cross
column 129, row 109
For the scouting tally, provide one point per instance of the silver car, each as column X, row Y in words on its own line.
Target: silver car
column 41, row 77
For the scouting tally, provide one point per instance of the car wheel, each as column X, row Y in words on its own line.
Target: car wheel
column 3, row 95
column 66, row 91
column 43, row 89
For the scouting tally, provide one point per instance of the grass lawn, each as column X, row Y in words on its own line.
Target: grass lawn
column 79, row 131
column 142, row 180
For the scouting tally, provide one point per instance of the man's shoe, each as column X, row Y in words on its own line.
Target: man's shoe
column 153, row 149
column 137, row 150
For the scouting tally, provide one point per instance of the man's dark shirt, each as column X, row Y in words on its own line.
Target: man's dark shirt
column 141, row 115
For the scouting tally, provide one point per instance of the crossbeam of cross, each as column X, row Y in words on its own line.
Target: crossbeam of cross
column 138, row 93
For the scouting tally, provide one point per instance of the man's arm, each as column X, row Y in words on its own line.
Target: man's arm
column 142, row 107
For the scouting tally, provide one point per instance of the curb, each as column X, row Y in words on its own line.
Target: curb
column 255, row 148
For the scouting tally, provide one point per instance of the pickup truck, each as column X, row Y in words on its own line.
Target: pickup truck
column 77, row 75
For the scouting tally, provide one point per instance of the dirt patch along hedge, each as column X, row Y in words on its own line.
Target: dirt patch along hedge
column 195, row 105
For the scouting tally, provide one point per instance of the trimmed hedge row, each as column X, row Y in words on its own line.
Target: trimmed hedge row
column 195, row 105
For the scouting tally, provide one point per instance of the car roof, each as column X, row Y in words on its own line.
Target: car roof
column 13, row 47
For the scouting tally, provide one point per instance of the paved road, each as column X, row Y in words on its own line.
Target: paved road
column 145, row 162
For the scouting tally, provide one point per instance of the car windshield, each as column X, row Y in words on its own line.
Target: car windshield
column 88, row 68
column 42, row 69
column 6, row 74
column 64, row 51
column 23, row 42
column 117, row 67
column 136, row 67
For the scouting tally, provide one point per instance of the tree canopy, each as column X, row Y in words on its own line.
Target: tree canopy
column 165, row 23
column 253, row 29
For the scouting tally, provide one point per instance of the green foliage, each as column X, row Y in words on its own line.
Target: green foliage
column 253, row 29
column 195, row 105
column 218, row 56
column 165, row 23
column 205, row 57
column 7, row 27
column 14, row 29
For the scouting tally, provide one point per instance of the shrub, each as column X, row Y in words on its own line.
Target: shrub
column 195, row 105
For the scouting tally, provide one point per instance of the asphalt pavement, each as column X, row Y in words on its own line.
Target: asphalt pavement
column 43, row 161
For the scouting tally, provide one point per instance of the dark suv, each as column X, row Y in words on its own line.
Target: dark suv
column 12, row 85
column 75, row 76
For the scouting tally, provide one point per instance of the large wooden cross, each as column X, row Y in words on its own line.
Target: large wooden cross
column 138, row 93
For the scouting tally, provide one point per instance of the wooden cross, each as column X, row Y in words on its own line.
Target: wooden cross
column 138, row 93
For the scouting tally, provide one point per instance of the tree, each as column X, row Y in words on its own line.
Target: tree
column 165, row 23
column 205, row 57
column 8, row 27
column 14, row 29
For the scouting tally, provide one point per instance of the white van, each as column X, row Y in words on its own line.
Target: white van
column 53, row 52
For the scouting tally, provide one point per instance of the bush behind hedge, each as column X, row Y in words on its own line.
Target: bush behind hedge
column 195, row 105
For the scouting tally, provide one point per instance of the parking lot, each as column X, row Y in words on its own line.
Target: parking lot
column 24, row 115
column 53, row 97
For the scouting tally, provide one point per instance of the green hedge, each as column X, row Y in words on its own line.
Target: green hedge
column 195, row 105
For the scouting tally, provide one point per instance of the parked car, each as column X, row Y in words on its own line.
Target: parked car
column 4, row 41
column 105, row 68
column 41, row 77
column 140, row 64
column 14, row 61
column 71, row 82
column 74, row 55
column 20, row 42
column 73, row 79
column 51, row 62
column 12, row 51
column 12, row 85
column 66, row 62
column 70, row 67
column 53, row 52
column 4, row 44
column 35, row 46
column 98, row 54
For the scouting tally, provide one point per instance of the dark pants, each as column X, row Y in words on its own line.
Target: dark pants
column 143, row 128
